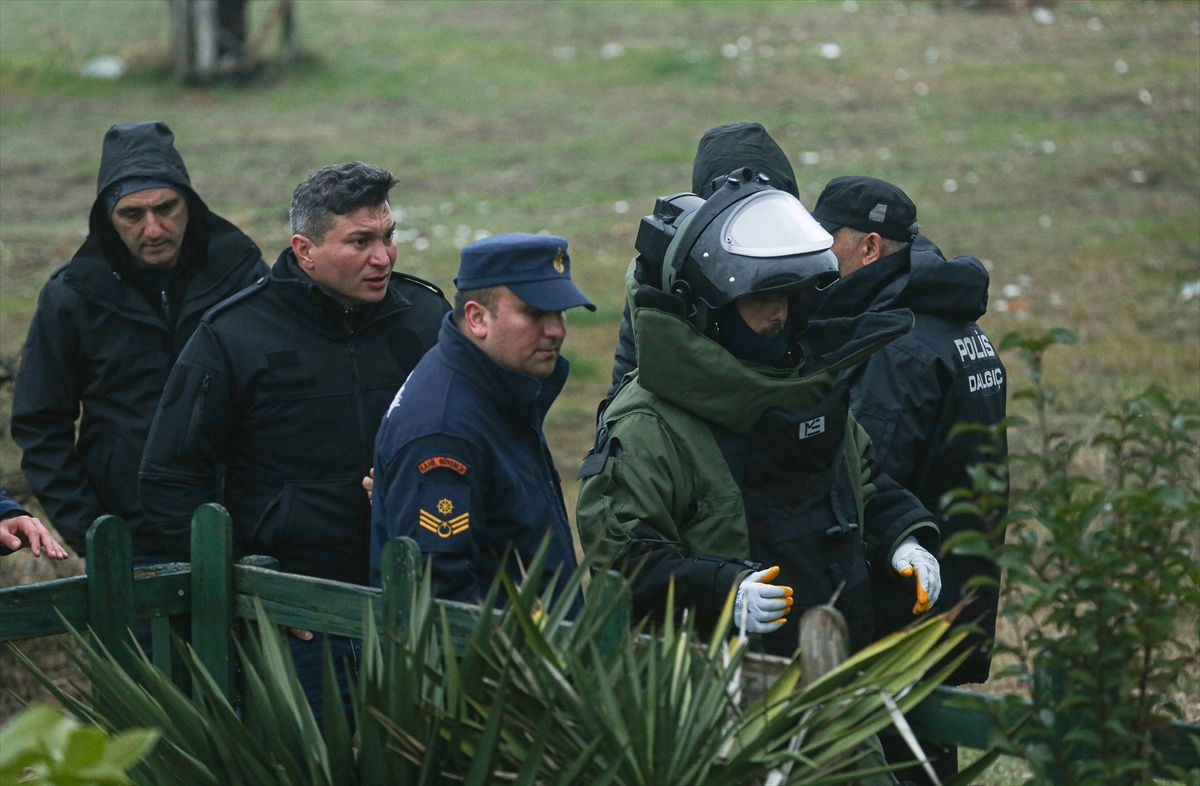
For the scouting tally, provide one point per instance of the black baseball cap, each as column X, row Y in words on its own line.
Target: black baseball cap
column 868, row 205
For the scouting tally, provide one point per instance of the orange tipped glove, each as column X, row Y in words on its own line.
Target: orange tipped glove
column 910, row 559
column 760, row 606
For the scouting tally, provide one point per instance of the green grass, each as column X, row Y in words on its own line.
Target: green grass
column 506, row 116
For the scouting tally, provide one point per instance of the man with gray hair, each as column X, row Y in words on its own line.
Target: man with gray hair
column 273, row 405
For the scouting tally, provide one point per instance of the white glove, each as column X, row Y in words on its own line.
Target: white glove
column 760, row 606
column 910, row 559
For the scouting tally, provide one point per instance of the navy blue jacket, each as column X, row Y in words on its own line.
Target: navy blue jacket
column 462, row 467
column 911, row 396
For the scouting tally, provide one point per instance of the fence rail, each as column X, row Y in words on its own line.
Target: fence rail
column 201, row 601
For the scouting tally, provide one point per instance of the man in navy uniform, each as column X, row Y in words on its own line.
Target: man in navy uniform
column 461, row 461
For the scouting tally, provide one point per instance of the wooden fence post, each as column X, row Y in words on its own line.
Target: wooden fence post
column 212, row 591
column 110, row 586
column 400, row 570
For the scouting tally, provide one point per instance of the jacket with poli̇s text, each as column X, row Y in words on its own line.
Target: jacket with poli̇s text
column 462, row 467
column 103, row 340
column 272, row 409
column 929, row 400
column 706, row 467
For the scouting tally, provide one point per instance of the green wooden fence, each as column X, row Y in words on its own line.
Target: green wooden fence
column 201, row 602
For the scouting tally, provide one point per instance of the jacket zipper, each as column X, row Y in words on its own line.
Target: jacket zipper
column 198, row 407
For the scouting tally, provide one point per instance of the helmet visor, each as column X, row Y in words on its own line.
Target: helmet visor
column 772, row 224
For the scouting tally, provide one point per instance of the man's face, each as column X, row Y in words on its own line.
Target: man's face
column 518, row 336
column 353, row 262
column 151, row 224
column 765, row 313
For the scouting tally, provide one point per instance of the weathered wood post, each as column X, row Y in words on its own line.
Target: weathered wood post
column 212, row 591
column 400, row 570
column 110, row 586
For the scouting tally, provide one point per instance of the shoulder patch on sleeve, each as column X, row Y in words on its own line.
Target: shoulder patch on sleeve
column 444, row 462
column 443, row 516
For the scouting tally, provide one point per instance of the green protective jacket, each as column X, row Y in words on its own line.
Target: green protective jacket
column 660, row 500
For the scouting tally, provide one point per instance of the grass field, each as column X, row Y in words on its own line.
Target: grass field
column 1060, row 145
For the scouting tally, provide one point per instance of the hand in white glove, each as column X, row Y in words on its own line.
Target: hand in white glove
column 910, row 559
column 760, row 605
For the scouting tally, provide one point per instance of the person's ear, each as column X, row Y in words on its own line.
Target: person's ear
column 302, row 247
column 872, row 247
column 476, row 319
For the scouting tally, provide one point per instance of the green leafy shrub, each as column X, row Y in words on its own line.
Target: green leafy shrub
column 522, row 696
column 1101, row 584
column 40, row 746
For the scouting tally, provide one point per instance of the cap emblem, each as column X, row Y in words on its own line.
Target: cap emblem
column 878, row 213
column 559, row 267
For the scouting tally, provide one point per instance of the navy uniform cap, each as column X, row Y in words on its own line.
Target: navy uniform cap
column 868, row 205
column 536, row 268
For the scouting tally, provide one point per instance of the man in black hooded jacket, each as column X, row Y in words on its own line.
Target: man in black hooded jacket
column 929, row 399
column 721, row 150
column 109, row 325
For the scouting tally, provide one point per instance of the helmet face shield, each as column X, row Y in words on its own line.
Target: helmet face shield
column 772, row 224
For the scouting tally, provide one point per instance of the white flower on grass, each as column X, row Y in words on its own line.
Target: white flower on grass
column 902, row 74
column 439, row 230
column 949, row 185
column 105, row 67
column 850, row 6
column 483, row 208
column 461, row 232
column 744, row 43
column 810, row 158
column 1190, row 291
column 1044, row 221
column 1095, row 24
column 480, row 234
column 1024, row 280
column 620, row 207
column 932, row 55
column 1000, row 304
column 611, row 49
column 1011, row 290
column 421, row 244
column 1056, row 299
column 921, row 89
column 883, row 153
column 730, row 50
column 831, row 51
column 1145, row 97
column 1048, row 146
column 1043, row 16
column 1120, row 66
column 1138, row 176
column 398, row 214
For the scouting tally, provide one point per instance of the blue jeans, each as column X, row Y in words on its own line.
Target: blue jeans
column 308, row 658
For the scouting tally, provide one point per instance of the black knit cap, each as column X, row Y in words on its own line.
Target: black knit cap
column 868, row 205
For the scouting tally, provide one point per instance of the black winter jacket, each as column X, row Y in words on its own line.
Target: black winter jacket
column 103, row 340
column 273, row 408
column 912, row 394
column 721, row 150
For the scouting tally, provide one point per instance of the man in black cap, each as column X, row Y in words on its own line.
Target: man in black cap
column 463, row 465
column 929, row 399
column 109, row 325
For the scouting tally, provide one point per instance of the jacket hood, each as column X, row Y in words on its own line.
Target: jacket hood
column 919, row 278
column 681, row 365
column 725, row 148
column 145, row 150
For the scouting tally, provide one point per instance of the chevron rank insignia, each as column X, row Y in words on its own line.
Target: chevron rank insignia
column 443, row 511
